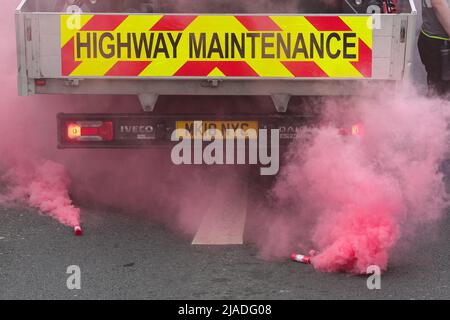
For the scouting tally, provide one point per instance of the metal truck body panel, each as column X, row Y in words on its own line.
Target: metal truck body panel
column 39, row 44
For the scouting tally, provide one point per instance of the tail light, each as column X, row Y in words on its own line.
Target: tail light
column 89, row 131
column 353, row 130
column 40, row 82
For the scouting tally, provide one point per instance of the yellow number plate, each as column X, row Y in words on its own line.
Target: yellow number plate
column 220, row 129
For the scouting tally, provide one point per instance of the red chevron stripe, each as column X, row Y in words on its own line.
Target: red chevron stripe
column 104, row 23
column 236, row 69
column 364, row 64
column 68, row 63
column 258, row 23
column 328, row 23
column 196, row 68
column 305, row 69
column 173, row 23
column 127, row 68
column 204, row 68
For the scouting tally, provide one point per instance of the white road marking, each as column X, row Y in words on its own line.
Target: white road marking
column 224, row 222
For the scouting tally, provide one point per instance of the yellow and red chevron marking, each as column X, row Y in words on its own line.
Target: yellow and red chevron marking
column 216, row 46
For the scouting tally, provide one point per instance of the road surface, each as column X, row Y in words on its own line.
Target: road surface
column 125, row 257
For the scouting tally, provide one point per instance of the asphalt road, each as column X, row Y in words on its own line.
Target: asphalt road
column 124, row 257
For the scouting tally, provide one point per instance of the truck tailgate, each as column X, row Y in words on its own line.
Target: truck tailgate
column 210, row 54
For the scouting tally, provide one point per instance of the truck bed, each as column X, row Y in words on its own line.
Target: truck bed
column 48, row 63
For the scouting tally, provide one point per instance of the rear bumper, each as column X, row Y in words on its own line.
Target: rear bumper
column 147, row 130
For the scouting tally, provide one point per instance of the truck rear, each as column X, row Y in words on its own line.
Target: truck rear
column 152, row 48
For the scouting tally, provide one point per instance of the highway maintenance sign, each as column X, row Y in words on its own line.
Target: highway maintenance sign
column 201, row 46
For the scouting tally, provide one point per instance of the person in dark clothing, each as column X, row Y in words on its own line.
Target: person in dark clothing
column 434, row 37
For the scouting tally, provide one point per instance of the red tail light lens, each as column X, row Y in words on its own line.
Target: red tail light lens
column 89, row 131
column 40, row 82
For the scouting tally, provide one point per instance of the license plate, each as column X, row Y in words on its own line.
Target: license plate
column 218, row 129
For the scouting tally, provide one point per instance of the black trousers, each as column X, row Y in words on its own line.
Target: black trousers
column 430, row 54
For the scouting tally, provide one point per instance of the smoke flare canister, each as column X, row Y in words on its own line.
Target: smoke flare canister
column 78, row 231
column 300, row 258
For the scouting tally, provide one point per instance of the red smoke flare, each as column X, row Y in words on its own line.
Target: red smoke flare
column 354, row 197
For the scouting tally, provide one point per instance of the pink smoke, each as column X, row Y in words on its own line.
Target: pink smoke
column 27, row 135
column 354, row 198
column 43, row 186
column 34, row 173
